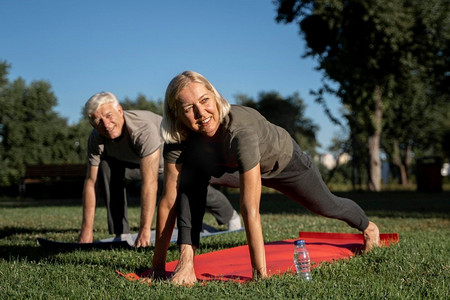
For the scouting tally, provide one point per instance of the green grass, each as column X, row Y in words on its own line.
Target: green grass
column 418, row 267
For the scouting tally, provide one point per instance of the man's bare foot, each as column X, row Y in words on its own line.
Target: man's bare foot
column 371, row 237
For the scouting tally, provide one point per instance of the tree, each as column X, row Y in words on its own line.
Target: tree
column 445, row 134
column 288, row 113
column 76, row 142
column 369, row 49
column 142, row 103
column 411, row 126
column 3, row 83
column 31, row 132
column 414, row 120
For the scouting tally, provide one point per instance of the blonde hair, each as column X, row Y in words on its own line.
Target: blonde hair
column 172, row 130
column 98, row 100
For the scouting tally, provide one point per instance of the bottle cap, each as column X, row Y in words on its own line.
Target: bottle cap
column 299, row 243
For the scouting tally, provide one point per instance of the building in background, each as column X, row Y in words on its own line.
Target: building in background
column 329, row 161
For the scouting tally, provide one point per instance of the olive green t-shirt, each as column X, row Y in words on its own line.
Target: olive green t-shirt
column 244, row 139
column 140, row 138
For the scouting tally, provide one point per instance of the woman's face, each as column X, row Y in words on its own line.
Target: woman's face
column 198, row 110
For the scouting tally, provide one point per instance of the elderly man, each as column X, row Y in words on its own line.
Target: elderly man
column 125, row 146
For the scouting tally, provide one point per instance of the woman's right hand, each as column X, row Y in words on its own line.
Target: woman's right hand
column 250, row 197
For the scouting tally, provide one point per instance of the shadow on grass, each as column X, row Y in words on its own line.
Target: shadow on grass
column 404, row 203
column 27, row 252
column 111, row 258
column 9, row 231
column 10, row 250
column 381, row 204
column 30, row 202
column 9, row 202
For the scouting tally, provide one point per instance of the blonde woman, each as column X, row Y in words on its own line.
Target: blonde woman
column 209, row 140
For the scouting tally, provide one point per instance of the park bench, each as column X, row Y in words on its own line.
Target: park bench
column 41, row 177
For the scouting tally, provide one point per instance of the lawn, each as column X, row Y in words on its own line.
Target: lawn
column 418, row 267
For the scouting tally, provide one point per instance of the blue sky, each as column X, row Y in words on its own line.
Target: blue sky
column 136, row 47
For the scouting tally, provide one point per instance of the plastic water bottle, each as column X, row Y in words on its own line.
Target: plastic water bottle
column 301, row 260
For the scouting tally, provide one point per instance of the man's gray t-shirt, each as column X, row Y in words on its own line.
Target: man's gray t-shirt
column 140, row 138
column 245, row 139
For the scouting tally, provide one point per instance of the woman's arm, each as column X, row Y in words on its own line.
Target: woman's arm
column 250, row 196
column 166, row 217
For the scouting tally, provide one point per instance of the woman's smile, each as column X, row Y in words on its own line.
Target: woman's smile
column 199, row 110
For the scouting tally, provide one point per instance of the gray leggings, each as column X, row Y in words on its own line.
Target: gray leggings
column 300, row 181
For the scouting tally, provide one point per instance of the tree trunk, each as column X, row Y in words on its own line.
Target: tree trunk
column 408, row 164
column 397, row 161
column 403, row 165
column 373, row 142
column 403, row 175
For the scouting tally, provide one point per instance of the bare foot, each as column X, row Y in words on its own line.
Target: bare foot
column 371, row 237
column 184, row 273
column 184, row 276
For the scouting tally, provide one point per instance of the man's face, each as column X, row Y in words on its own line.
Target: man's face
column 108, row 120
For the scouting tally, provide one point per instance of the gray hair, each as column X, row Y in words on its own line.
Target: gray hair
column 98, row 100
column 172, row 130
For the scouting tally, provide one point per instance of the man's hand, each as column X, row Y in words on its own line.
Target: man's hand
column 86, row 237
column 89, row 201
column 143, row 238
column 149, row 166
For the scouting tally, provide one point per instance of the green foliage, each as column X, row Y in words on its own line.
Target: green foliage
column 288, row 113
column 142, row 103
column 416, row 268
column 77, row 140
column 445, row 132
column 416, row 117
column 393, row 51
column 31, row 132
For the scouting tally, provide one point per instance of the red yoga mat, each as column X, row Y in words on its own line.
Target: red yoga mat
column 234, row 263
